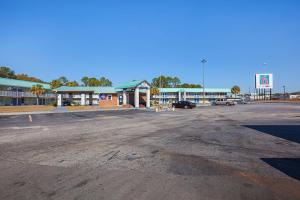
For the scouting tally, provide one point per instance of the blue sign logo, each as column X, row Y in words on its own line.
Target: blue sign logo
column 102, row 96
column 264, row 80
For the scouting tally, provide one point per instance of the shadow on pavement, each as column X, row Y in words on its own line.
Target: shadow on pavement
column 288, row 132
column 289, row 166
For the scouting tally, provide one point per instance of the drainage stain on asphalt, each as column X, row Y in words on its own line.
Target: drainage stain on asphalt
column 19, row 183
column 181, row 164
column 81, row 183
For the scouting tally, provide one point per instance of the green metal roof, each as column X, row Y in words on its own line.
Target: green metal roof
column 106, row 90
column 131, row 84
column 86, row 89
column 216, row 90
column 21, row 83
column 171, row 90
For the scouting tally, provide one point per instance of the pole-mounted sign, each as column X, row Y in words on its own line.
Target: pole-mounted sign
column 264, row 81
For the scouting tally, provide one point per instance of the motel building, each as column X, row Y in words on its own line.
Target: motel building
column 17, row 92
column 195, row 95
column 131, row 94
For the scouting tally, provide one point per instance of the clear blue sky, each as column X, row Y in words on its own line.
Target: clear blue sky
column 126, row 40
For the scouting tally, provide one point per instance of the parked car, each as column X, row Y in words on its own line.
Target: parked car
column 224, row 102
column 66, row 103
column 184, row 104
column 242, row 102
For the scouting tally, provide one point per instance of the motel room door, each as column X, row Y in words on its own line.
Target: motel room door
column 120, row 99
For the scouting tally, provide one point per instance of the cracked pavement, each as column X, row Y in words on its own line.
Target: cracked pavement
column 242, row 152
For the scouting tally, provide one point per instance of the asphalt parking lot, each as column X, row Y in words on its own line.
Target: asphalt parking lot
column 241, row 152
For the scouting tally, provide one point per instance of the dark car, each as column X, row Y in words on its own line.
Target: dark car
column 184, row 104
column 66, row 103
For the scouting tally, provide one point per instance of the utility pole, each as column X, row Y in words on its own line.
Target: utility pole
column 160, row 89
column 203, row 86
column 17, row 97
column 283, row 92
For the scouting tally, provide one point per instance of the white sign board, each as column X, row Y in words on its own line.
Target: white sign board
column 264, row 81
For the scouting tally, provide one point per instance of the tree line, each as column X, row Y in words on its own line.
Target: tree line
column 157, row 82
column 160, row 81
column 171, row 82
column 86, row 81
column 6, row 72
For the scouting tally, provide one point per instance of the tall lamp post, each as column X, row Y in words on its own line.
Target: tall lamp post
column 203, row 94
column 283, row 92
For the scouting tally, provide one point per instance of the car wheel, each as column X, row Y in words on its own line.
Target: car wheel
column 227, row 104
column 185, row 107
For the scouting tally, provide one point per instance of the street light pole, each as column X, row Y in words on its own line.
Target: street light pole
column 203, row 94
column 283, row 92
column 159, row 101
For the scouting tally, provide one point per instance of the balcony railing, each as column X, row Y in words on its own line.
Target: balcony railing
column 78, row 96
column 165, row 96
column 188, row 96
column 206, row 96
column 4, row 93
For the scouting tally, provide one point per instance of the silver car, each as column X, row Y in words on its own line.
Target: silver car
column 224, row 102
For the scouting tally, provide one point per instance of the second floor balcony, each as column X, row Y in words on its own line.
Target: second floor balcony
column 188, row 96
column 14, row 94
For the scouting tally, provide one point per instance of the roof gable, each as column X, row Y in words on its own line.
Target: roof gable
column 133, row 84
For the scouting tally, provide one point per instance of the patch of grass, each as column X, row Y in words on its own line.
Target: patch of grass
column 9, row 109
column 71, row 108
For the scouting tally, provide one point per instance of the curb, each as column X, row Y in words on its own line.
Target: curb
column 73, row 111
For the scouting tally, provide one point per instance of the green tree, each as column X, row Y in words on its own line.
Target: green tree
column 25, row 77
column 188, row 85
column 85, row 80
column 93, row 82
column 63, row 80
column 37, row 90
column 155, row 82
column 168, row 81
column 55, row 84
column 104, row 82
column 161, row 81
column 72, row 84
column 6, row 72
column 235, row 90
column 175, row 82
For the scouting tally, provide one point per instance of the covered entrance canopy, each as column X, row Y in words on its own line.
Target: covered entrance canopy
column 136, row 87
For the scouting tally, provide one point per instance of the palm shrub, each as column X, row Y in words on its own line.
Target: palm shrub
column 37, row 90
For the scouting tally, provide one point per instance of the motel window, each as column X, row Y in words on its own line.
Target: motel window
column 109, row 97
